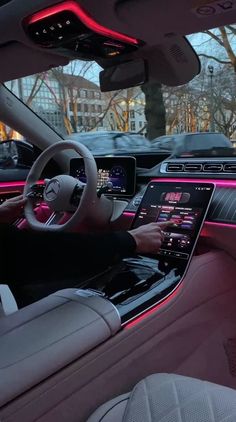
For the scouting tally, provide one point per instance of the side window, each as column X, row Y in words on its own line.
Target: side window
column 15, row 150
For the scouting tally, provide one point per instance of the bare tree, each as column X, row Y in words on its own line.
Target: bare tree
column 154, row 110
column 224, row 38
column 221, row 96
column 121, row 105
column 224, row 96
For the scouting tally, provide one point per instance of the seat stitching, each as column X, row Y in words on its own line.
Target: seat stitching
column 111, row 408
column 147, row 400
column 194, row 395
column 175, row 407
column 34, row 317
column 179, row 406
column 209, row 403
column 129, row 399
column 50, row 345
column 178, row 401
column 227, row 417
column 185, row 403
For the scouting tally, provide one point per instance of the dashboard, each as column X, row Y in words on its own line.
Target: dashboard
column 129, row 179
column 116, row 175
column 185, row 192
column 124, row 179
column 221, row 172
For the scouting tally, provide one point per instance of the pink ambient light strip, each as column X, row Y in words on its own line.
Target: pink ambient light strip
column 154, row 309
column 219, row 183
column 72, row 6
column 223, row 225
column 17, row 184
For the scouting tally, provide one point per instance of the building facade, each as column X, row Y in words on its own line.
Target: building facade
column 66, row 102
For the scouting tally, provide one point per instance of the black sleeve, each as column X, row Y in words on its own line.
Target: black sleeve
column 29, row 255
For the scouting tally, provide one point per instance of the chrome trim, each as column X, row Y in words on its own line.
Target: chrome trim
column 153, row 306
column 54, row 218
column 212, row 164
column 193, row 171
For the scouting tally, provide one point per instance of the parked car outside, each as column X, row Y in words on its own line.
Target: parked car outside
column 178, row 144
column 111, row 140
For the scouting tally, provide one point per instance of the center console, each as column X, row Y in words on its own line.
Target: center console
column 140, row 282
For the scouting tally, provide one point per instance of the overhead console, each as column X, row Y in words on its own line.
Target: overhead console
column 69, row 27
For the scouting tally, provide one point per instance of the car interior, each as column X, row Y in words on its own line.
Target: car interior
column 152, row 337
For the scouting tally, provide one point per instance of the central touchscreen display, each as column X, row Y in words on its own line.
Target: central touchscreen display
column 116, row 173
column 185, row 205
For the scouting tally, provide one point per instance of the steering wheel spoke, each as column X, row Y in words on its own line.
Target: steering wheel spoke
column 36, row 192
column 55, row 218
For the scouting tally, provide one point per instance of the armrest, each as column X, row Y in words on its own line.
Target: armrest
column 44, row 337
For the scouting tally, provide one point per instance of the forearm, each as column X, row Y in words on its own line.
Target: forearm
column 28, row 256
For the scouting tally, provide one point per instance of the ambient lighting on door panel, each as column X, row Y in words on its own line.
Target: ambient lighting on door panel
column 155, row 308
column 219, row 183
column 67, row 9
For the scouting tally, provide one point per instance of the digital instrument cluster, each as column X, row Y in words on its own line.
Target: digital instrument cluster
column 115, row 174
column 182, row 207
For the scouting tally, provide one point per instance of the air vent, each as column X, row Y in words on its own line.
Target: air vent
column 175, row 168
column 230, row 168
column 213, row 168
column 193, row 167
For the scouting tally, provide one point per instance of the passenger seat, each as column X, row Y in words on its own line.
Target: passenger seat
column 170, row 398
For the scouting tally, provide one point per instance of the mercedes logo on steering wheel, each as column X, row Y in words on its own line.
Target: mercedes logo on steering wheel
column 52, row 190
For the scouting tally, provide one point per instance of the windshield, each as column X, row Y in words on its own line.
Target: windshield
column 69, row 100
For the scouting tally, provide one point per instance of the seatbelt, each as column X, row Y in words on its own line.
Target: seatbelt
column 8, row 304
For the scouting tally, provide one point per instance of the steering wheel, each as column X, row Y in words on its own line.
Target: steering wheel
column 59, row 191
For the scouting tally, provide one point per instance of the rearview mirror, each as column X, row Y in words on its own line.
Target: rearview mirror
column 124, row 75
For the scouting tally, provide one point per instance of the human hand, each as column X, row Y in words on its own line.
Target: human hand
column 11, row 209
column 149, row 237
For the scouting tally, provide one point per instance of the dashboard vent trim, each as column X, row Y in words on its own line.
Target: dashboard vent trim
column 200, row 167
column 174, row 168
column 230, row 168
column 193, row 167
column 213, row 168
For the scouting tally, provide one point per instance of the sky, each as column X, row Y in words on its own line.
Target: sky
column 201, row 43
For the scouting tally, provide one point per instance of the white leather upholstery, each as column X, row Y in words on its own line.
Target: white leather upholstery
column 171, row 398
column 39, row 340
column 8, row 304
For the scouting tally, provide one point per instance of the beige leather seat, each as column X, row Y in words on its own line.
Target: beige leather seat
column 170, row 398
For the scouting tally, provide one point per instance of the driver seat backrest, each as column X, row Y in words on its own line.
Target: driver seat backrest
column 8, row 303
column 170, row 398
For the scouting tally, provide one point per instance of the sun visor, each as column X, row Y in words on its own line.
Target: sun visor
column 23, row 61
column 173, row 63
